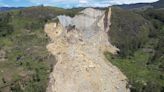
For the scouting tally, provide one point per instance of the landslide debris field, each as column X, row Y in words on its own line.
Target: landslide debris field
column 79, row 44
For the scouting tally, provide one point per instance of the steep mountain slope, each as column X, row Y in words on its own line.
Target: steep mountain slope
column 78, row 44
column 129, row 31
column 143, row 6
column 139, row 36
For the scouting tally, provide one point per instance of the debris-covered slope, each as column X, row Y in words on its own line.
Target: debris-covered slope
column 78, row 44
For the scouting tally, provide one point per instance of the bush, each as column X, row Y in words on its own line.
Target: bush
column 5, row 28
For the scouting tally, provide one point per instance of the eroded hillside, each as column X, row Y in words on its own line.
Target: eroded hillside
column 78, row 44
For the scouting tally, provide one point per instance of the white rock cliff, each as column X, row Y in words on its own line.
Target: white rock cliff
column 78, row 44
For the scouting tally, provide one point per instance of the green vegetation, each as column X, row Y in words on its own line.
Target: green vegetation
column 5, row 27
column 129, row 31
column 142, row 77
column 25, row 63
column 156, row 16
column 140, row 38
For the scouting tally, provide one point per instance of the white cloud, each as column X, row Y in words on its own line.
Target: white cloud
column 83, row 1
column 4, row 5
column 77, row 3
column 52, row 1
column 132, row 1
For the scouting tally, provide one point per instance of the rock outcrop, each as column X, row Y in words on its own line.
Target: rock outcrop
column 78, row 44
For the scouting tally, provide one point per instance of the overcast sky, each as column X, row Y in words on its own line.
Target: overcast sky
column 68, row 3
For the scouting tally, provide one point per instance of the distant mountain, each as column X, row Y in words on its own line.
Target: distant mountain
column 158, row 4
column 136, row 6
column 9, row 8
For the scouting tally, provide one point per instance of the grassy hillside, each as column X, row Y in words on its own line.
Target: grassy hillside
column 139, row 36
column 25, row 64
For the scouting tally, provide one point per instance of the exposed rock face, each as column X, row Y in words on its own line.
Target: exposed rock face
column 78, row 44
